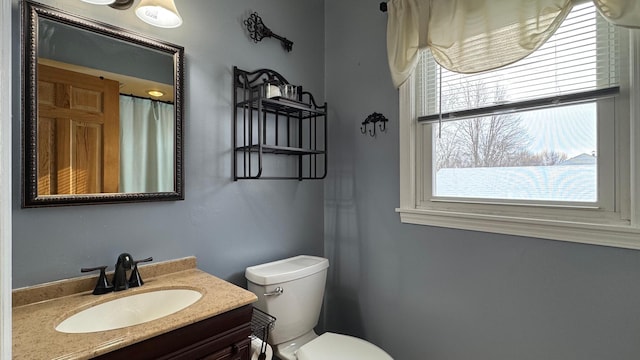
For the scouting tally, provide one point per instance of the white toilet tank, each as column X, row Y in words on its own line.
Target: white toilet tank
column 291, row 290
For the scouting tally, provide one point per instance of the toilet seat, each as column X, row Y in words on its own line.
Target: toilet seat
column 330, row 346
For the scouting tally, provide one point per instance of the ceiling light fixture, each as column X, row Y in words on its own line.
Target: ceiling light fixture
column 121, row 4
column 160, row 13
column 116, row 4
column 155, row 93
column 100, row 2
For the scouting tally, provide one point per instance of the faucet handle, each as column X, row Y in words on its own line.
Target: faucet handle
column 135, row 280
column 102, row 286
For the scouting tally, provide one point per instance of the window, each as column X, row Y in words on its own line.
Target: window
column 539, row 148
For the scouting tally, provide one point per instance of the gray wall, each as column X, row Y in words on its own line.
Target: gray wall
column 419, row 292
column 431, row 293
column 227, row 225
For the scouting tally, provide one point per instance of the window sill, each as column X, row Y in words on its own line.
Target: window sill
column 615, row 235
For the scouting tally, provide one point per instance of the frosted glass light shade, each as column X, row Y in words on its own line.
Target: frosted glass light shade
column 100, row 2
column 161, row 13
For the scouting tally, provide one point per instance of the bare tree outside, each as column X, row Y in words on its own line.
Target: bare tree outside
column 544, row 158
column 490, row 141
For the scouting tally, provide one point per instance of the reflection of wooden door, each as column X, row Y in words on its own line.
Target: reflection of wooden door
column 78, row 133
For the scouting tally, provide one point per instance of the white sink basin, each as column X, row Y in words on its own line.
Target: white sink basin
column 129, row 310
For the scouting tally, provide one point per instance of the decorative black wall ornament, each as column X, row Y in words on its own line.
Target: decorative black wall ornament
column 258, row 30
column 374, row 119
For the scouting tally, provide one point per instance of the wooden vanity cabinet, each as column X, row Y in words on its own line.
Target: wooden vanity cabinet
column 222, row 337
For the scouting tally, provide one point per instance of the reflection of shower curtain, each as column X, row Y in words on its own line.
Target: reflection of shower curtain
column 146, row 145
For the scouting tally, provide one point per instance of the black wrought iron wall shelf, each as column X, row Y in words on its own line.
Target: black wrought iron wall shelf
column 266, row 123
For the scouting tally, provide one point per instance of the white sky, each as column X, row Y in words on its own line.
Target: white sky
column 568, row 129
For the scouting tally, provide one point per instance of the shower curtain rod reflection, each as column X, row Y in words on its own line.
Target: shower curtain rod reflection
column 147, row 98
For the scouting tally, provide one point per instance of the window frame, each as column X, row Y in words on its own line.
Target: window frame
column 607, row 198
column 616, row 225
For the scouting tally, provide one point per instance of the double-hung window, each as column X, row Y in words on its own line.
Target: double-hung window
column 543, row 147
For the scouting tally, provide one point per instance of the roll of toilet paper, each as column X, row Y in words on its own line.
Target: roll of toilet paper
column 256, row 345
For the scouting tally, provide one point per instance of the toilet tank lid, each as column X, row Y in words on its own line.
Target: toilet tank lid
column 285, row 270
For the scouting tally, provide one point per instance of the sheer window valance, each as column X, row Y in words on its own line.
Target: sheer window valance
column 469, row 36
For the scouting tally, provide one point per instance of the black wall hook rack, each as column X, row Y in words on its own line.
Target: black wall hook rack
column 373, row 119
column 258, row 31
column 383, row 6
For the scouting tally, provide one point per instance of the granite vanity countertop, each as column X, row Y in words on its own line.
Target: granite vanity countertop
column 38, row 310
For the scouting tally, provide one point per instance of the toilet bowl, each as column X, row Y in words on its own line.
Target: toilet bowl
column 291, row 290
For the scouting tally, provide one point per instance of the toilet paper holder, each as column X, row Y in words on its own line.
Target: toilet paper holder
column 261, row 324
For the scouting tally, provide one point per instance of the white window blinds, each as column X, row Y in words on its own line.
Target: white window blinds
column 579, row 62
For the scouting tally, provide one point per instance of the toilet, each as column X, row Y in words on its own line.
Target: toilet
column 291, row 290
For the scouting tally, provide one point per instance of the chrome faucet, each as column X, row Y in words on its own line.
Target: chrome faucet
column 124, row 263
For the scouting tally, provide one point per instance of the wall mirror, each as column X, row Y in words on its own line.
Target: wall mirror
column 103, row 113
